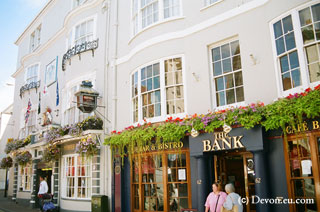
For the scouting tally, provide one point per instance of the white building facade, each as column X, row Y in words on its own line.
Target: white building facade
column 64, row 45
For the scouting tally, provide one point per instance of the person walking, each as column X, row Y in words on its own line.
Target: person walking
column 215, row 199
column 43, row 189
column 232, row 202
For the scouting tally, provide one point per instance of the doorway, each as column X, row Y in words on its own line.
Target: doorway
column 237, row 168
column 47, row 174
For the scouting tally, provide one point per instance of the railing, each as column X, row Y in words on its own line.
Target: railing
column 77, row 49
column 29, row 86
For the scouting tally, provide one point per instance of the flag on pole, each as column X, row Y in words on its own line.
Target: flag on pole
column 28, row 111
column 39, row 104
column 57, row 101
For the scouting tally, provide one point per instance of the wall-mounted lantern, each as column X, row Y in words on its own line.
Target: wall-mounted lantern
column 86, row 97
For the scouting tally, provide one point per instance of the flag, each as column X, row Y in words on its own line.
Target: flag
column 39, row 105
column 45, row 88
column 57, row 100
column 28, row 111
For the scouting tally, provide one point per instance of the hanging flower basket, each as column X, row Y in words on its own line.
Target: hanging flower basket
column 22, row 158
column 51, row 153
column 87, row 147
column 6, row 163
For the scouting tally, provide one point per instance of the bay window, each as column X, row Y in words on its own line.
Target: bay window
column 76, row 177
column 147, row 12
column 227, row 73
column 297, row 48
column 157, row 90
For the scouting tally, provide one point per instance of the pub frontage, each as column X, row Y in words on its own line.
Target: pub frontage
column 262, row 165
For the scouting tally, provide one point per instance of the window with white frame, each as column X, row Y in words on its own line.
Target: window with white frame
column 76, row 177
column 35, row 39
column 84, row 32
column 77, row 3
column 72, row 114
column 31, row 74
column 31, row 123
column 227, row 73
column 149, row 83
column 297, row 47
column 209, row 2
column 147, row 12
column 25, row 174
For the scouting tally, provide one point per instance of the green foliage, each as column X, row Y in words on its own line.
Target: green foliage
column 287, row 111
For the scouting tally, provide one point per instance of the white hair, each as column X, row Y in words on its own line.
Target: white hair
column 229, row 188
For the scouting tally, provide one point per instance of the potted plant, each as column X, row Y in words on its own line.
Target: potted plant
column 23, row 158
column 6, row 162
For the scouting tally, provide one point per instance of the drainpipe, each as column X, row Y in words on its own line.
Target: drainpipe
column 114, row 65
column 106, row 9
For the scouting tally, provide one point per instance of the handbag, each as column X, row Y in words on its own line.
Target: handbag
column 234, row 208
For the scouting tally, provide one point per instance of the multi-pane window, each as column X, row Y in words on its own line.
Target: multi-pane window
column 156, row 176
column 25, row 174
column 77, row 177
column 287, row 53
column 77, row 3
column 84, row 32
column 148, row 12
column 150, row 91
column 208, row 2
column 31, row 74
column 134, row 91
column 149, row 83
column 35, row 39
column 174, row 86
column 310, row 29
column 297, row 46
column 227, row 74
column 72, row 114
column 31, row 124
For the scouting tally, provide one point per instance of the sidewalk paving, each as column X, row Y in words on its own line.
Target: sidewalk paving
column 7, row 205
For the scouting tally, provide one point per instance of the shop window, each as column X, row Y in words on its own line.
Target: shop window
column 77, row 177
column 227, row 73
column 297, row 46
column 302, row 170
column 161, row 181
column 25, row 174
column 148, row 12
column 147, row 87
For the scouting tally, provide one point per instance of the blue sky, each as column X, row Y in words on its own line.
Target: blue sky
column 15, row 16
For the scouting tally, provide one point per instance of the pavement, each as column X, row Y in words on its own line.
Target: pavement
column 7, row 205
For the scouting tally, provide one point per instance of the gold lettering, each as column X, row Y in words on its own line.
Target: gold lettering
column 299, row 128
column 288, row 130
column 225, row 142
column 206, row 145
column 175, row 145
column 305, row 126
column 166, row 146
column 237, row 143
column 146, row 148
column 315, row 125
column 153, row 147
column 218, row 136
column 216, row 145
column 160, row 146
column 180, row 144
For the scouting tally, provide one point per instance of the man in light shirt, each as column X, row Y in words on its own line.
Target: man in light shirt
column 43, row 189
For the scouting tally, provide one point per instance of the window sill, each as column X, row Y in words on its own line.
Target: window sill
column 155, row 24
column 160, row 118
column 292, row 91
column 76, row 199
column 210, row 5
column 234, row 105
